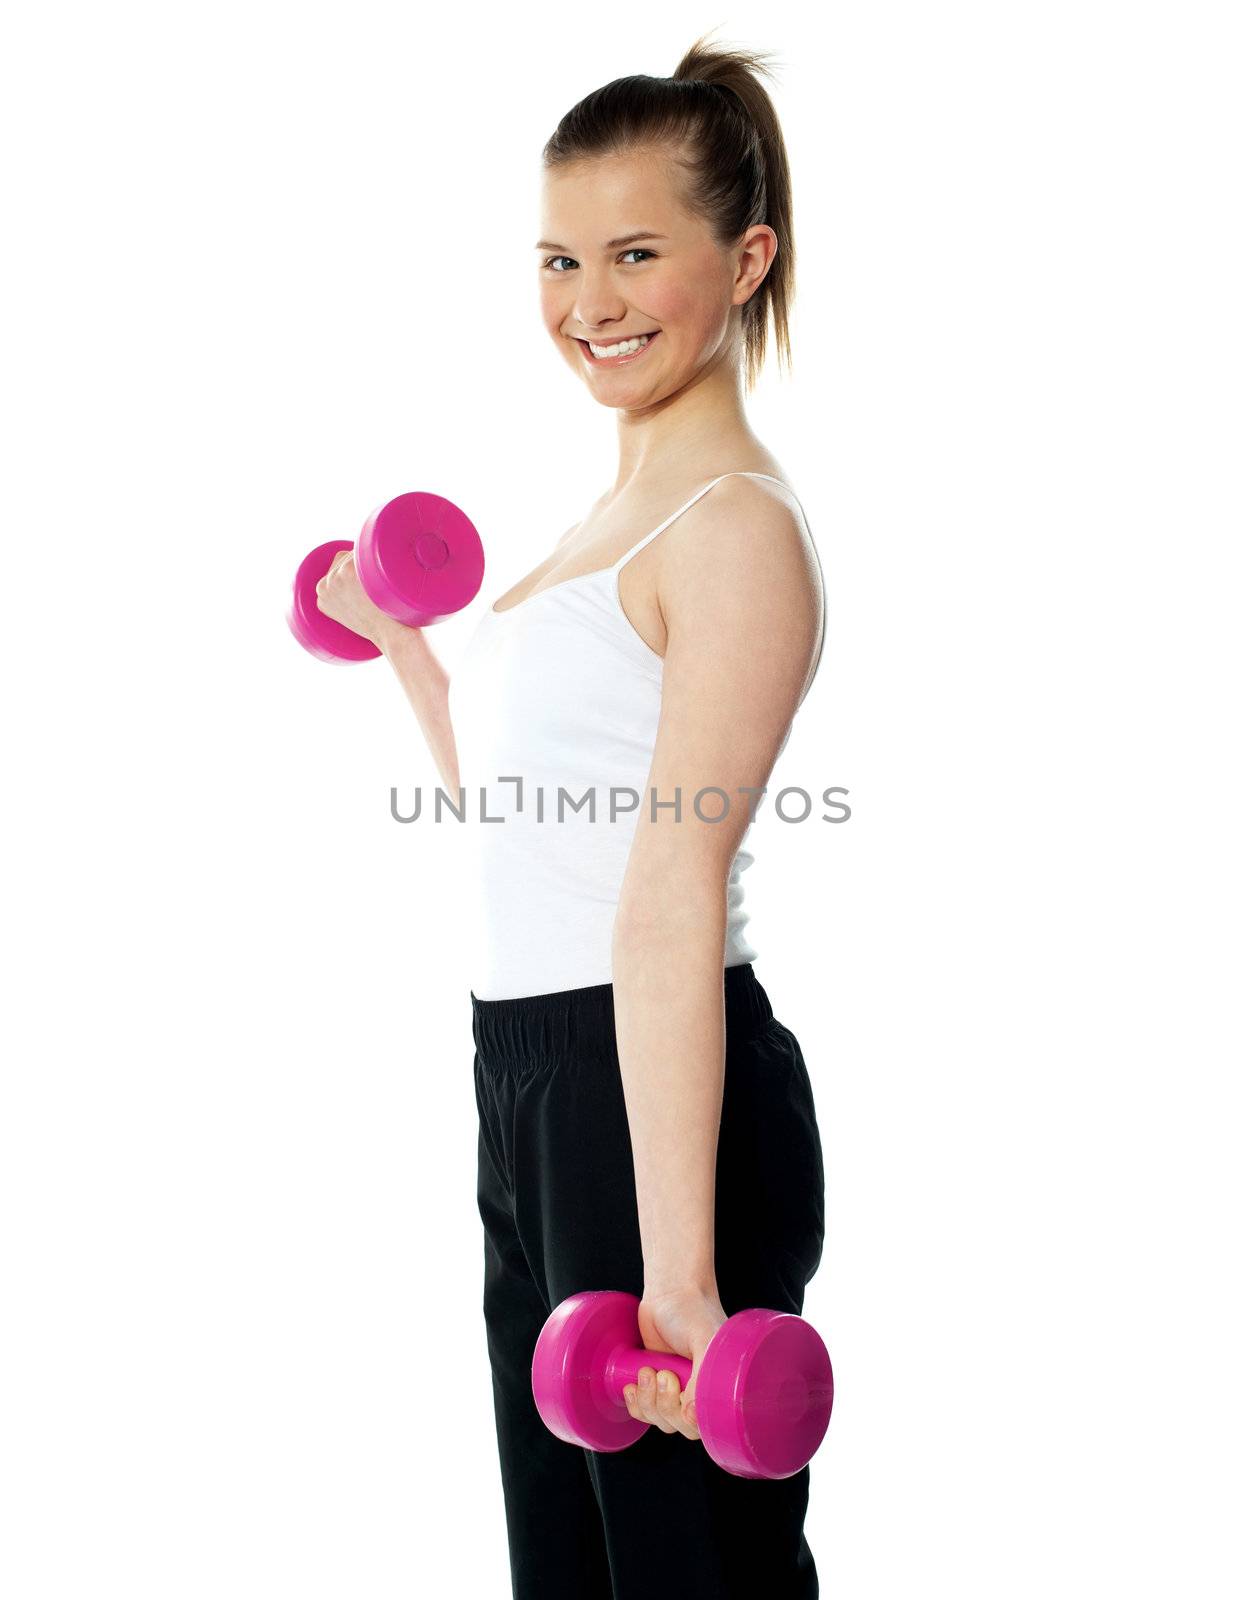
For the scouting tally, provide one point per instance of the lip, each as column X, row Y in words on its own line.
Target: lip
column 615, row 361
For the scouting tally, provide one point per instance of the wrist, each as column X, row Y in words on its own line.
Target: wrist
column 701, row 1285
column 393, row 637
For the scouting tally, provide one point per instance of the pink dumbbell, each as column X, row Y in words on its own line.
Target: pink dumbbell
column 764, row 1390
column 419, row 559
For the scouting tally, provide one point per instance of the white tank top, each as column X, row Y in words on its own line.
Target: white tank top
column 559, row 696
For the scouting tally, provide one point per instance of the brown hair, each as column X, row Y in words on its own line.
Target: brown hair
column 726, row 136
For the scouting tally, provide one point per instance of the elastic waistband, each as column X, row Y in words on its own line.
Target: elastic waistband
column 582, row 1021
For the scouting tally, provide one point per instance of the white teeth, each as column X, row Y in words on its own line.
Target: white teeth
column 622, row 349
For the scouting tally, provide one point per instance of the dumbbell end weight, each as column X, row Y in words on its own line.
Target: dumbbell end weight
column 320, row 635
column 765, row 1394
column 571, row 1370
column 419, row 558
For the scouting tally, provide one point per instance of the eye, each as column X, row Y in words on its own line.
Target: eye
column 636, row 251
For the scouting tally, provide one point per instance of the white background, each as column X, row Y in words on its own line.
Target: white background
column 268, row 266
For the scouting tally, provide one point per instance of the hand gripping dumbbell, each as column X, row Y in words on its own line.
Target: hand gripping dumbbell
column 418, row 559
column 763, row 1395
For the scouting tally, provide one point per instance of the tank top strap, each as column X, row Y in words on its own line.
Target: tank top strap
column 668, row 521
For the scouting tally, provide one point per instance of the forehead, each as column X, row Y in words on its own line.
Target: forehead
column 591, row 199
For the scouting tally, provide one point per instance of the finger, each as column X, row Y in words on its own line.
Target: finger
column 689, row 1414
column 634, row 1393
column 668, row 1400
column 648, row 1399
column 340, row 559
column 646, row 1408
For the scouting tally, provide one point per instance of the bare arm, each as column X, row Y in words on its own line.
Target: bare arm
column 739, row 658
column 424, row 680
column 426, row 685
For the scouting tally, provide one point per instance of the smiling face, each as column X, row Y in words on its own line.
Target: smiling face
column 603, row 279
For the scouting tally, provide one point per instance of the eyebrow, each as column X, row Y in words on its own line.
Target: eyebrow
column 613, row 244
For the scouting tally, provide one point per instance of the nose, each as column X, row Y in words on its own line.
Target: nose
column 596, row 314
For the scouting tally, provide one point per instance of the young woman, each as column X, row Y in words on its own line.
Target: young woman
column 646, row 1123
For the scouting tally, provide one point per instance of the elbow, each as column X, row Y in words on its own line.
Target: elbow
column 665, row 916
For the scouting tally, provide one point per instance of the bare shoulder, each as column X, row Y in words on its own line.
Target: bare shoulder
column 743, row 572
column 748, row 532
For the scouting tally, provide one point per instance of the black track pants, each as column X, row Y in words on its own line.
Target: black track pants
column 659, row 1520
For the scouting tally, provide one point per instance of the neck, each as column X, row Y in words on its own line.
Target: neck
column 683, row 436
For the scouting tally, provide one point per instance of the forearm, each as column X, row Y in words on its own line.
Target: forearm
column 426, row 685
column 667, row 962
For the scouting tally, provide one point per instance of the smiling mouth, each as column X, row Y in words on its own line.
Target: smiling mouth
column 616, row 361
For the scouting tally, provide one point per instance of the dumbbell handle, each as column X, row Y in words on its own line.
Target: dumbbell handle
column 627, row 1360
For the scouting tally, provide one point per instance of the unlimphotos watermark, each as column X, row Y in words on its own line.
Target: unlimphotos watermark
column 709, row 804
